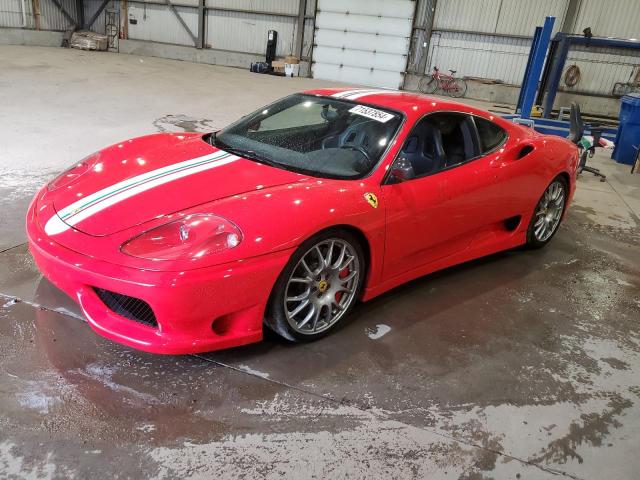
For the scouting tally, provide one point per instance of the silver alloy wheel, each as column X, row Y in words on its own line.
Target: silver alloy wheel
column 549, row 212
column 322, row 286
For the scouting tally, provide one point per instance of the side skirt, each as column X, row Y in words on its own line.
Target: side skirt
column 481, row 249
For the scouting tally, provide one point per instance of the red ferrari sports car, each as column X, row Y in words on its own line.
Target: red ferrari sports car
column 181, row 243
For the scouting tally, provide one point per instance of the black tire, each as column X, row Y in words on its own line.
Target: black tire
column 275, row 316
column 532, row 239
column 460, row 88
column 428, row 84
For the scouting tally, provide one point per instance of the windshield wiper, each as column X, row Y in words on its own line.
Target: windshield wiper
column 241, row 152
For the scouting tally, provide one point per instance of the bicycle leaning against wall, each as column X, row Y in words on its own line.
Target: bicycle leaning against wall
column 448, row 84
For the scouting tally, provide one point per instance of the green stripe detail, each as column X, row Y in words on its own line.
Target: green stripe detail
column 140, row 182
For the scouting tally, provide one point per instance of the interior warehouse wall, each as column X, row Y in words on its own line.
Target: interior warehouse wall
column 247, row 32
column 235, row 30
column 234, row 26
column 51, row 18
column 492, row 38
column 157, row 23
column 92, row 6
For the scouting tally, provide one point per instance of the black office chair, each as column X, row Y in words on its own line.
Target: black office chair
column 576, row 131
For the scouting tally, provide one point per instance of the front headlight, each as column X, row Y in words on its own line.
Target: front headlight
column 189, row 238
column 74, row 172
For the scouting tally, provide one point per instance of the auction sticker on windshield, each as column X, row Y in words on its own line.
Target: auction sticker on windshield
column 372, row 113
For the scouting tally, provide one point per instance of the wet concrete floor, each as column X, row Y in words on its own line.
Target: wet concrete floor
column 521, row 365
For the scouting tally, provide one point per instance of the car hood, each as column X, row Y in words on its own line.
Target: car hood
column 141, row 179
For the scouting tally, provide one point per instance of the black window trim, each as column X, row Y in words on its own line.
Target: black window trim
column 387, row 177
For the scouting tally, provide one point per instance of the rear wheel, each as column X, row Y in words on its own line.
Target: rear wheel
column 428, row 84
column 458, row 88
column 548, row 214
column 318, row 287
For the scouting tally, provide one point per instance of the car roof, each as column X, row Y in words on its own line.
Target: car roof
column 393, row 99
column 412, row 104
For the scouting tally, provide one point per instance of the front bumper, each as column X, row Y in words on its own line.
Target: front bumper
column 196, row 310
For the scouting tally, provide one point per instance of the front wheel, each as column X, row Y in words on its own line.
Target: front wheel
column 458, row 88
column 548, row 214
column 318, row 286
column 428, row 84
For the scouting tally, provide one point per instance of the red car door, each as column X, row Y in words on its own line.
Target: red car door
column 444, row 194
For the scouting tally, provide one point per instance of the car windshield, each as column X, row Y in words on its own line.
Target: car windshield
column 317, row 135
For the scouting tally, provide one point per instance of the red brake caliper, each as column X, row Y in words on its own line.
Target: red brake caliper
column 343, row 274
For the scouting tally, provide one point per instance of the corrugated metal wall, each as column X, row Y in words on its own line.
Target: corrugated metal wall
column 157, row 23
column 491, row 38
column 11, row 13
column 422, row 24
column 485, row 56
column 234, row 25
column 601, row 68
column 247, row 32
column 51, row 18
column 482, row 38
column 91, row 7
column 609, row 18
column 506, row 17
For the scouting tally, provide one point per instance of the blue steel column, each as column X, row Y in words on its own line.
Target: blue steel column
column 531, row 83
column 556, row 74
column 527, row 70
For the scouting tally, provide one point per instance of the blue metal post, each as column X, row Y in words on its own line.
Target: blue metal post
column 527, row 71
column 530, row 84
column 556, row 74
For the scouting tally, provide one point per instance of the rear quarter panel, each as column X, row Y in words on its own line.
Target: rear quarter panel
column 523, row 179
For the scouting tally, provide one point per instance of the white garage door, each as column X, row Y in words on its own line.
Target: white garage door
column 363, row 41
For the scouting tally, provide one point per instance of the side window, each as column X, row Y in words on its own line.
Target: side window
column 438, row 141
column 491, row 135
column 459, row 139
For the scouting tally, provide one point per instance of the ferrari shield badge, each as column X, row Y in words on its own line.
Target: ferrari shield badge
column 372, row 199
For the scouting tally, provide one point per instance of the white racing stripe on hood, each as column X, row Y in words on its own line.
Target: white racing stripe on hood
column 98, row 201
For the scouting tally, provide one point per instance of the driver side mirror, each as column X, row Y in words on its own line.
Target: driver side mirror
column 401, row 171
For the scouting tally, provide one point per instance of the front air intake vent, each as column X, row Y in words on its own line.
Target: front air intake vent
column 128, row 307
